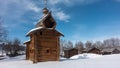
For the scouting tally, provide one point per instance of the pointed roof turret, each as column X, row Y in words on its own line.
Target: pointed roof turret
column 47, row 21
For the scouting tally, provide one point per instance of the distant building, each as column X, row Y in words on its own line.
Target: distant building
column 70, row 52
column 92, row 50
column 104, row 51
column 111, row 50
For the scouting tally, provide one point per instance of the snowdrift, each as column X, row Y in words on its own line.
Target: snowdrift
column 85, row 56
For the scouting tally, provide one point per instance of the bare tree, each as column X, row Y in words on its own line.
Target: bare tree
column 62, row 47
column 3, row 32
column 69, row 45
column 16, row 44
column 64, row 44
column 79, row 45
column 14, row 48
column 8, row 48
column 88, row 44
column 98, row 44
column 3, row 35
column 112, row 42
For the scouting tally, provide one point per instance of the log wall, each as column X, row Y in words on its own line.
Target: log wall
column 44, row 46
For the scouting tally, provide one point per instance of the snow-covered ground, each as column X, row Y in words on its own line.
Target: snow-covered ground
column 85, row 56
column 78, row 61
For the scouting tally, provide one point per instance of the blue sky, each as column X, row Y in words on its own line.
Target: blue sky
column 78, row 20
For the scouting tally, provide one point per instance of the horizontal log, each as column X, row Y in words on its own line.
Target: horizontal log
column 46, row 58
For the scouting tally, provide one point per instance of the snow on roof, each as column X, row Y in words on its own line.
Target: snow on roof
column 27, row 41
column 89, row 49
column 34, row 30
column 108, row 49
column 118, row 48
column 3, row 42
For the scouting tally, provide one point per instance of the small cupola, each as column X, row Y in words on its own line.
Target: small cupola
column 45, row 11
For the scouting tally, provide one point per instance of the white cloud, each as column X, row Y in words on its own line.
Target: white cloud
column 72, row 2
column 20, row 6
column 62, row 16
column 17, row 8
column 32, row 6
column 13, row 11
column 53, row 2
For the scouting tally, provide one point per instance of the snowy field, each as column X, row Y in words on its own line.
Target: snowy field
column 78, row 61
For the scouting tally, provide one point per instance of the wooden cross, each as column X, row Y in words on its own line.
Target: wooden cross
column 45, row 3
